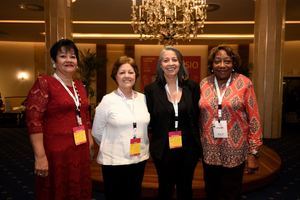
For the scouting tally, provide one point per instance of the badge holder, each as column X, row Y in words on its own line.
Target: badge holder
column 175, row 139
column 135, row 146
column 79, row 131
column 220, row 129
column 135, row 143
column 79, row 135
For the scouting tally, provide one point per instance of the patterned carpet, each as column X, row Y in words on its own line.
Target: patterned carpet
column 16, row 168
column 287, row 184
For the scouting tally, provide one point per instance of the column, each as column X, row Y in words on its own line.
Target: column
column 58, row 25
column 129, row 51
column 267, row 71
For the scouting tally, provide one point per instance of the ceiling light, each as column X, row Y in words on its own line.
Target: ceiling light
column 136, row 36
column 31, row 7
column 212, row 7
column 168, row 20
column 128, row 22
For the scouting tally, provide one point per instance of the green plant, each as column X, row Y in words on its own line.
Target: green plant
column 89, row 65
column 246, row 69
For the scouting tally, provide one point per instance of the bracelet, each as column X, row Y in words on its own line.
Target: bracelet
column 255, row 154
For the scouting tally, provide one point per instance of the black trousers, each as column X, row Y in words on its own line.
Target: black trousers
column 175, row 172
column 123, row 181
column 222, row 183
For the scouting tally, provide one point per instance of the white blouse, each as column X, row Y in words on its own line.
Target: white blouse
column 113, row 128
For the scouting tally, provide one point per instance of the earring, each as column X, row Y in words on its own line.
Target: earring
column 54, row 66
column 212, row 71
column 232, row 70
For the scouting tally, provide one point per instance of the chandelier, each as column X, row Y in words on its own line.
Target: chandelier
column 168, row 20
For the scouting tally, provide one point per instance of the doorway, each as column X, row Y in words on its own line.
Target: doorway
column 291, row 105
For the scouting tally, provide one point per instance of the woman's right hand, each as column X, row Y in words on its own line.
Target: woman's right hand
column 41, row 167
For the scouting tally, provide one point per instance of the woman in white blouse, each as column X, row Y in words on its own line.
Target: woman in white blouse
column 120, row 129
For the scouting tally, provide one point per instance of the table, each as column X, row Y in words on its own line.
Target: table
column 12, row 118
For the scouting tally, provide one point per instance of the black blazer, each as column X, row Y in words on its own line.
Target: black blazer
column 162, row 118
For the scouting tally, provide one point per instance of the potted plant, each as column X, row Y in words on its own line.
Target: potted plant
column 89, row 65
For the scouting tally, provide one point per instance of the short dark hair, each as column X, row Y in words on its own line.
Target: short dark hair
column 182, row 73
column 236, row 60
column 123, row 60
column 63, row 43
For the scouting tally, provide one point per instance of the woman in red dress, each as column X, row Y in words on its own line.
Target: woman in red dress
column 58, row 123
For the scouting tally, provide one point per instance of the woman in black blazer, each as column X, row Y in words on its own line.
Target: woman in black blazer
column 175, row 147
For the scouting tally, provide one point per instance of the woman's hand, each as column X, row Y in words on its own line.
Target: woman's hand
column 91, row 145
column 41, row 167
column 251, row 164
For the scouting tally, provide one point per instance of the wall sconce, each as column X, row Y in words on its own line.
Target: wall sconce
column 23, row 76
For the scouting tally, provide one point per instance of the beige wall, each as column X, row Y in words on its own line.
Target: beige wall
column 26, row 56
column 14, row 58
column 291, row 64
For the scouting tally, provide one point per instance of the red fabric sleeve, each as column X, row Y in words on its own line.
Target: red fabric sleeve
column 36, row 104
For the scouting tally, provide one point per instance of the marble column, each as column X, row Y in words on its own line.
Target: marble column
column 58, row 25
column 267, row 71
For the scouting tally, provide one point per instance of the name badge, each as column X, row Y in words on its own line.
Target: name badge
column 79, row 135
column 135, row 146
column 175, row 139
column 220, row 129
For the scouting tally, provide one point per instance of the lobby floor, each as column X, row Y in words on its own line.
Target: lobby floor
column 17, row 179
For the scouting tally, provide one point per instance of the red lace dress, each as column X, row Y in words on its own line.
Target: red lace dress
column 51, row 110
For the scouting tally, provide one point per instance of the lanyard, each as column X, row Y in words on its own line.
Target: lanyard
column 130, row 108
column 220, row 96
column 74, row 97
column 175, row 102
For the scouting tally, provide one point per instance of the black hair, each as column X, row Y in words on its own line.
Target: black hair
column 236, row 60
column 63, row 43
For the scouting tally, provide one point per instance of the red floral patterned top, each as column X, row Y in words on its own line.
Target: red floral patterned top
column 240, row 110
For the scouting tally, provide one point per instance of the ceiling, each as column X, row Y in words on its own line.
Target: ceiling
column 119, row 10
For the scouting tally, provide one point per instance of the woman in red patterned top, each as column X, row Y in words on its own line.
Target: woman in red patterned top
column 231, row 129
column 58, row 123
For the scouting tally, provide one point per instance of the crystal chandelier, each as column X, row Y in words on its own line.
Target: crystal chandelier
column 168, row 20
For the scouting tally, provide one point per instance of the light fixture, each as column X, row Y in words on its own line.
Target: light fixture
column 168, row 20
column 31, row 7
column 23, row 76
